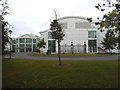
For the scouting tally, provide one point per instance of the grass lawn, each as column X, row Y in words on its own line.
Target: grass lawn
column 48, row 74
column 71, row 55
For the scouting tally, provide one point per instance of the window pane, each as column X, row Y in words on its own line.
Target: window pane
column 28, row 40
column 16, row 40
column 79, row 25
column 13, row 48
column 17, row 47
column 22, row 40
column 52, row 45
column 91, row 34
column 34, row 40
column 13, row 41
column 34, row 47
column 92, row 45
column 49, row 35
column 28, row 47
column 22, row 47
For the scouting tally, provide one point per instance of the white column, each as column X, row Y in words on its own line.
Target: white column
column 32, row 44
column 18, row 45
column 25, row 45
column 15, row 46
column 87, row 47
column 97, row 45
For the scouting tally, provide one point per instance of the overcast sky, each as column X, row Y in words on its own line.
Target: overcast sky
column 33, row 16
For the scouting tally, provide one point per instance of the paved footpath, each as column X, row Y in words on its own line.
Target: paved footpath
column 26, row 56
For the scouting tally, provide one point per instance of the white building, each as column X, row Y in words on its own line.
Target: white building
column 78, row 31
column 25, row 43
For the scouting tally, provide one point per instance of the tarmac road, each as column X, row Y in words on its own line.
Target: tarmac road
column 26, row 56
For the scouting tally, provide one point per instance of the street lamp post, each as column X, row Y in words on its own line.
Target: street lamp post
column 10, row 31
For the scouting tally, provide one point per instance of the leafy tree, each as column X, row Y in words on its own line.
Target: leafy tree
column 111, row 20
column 57, row 33
column 111, row 23
column 4, row 24
column 109, row 42
column 41, row 44
column 4, row 36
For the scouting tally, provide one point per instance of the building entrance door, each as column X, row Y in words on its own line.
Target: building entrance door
column 52, row 45
column 92, row 46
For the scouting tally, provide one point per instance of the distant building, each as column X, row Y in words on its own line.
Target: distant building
column 25, row 43
column 81, row 36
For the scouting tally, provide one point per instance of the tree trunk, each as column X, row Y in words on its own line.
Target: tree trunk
column 39, row 50
column 109, row 50
column 59, row 52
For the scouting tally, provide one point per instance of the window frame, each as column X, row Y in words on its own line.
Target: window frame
column 92, row 34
